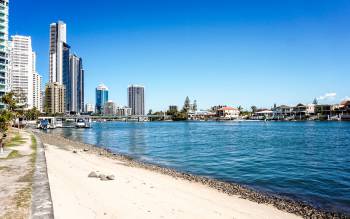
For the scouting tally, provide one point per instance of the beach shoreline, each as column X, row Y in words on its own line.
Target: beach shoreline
column 231, row 189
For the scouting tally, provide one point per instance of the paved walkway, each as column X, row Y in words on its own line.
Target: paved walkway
column 41, row 201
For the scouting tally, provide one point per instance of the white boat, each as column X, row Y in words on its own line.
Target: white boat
column 46, row 123
column 83, row 123
column 59, row 123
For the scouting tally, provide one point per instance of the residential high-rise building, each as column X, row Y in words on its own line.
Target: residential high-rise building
column 101, row 97
column 81, row 86
column 109, row 108
column 123, row 111
column 42, row 100
column 4, row 26
column 75, row 85
column 54, row 98
column 58, row 39
column 136, row 99
column 21, row 70
column 173, row 108
column 37, row 80
column 89, row 108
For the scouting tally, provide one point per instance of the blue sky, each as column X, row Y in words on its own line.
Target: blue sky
column 248, row 52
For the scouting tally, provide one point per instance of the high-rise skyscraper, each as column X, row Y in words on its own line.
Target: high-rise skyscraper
column 109, row 108
column 54, row 98
column 4, row 24
column 58, row 68
column 136, row 99
column 81, row 86
column 89, row 108
column 37, row 91
column 21, row 70
column 66, row 69
column 43, row 100
column 37, row 80
column 101, row 97
column 75, row 85
column 58, row 45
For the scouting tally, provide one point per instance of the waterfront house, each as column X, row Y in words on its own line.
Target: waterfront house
column 310, row 109
column 300, row 111
column 282, row 112
column 323, row 111
column 343, row 110
column 345, row 106
column 201, row 115
column 228, row 113
column 216, row 108
column 263, row 114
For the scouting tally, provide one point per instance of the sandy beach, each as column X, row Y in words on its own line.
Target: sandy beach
column 137, row 192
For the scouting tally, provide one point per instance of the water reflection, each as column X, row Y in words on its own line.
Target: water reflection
column 137, row 143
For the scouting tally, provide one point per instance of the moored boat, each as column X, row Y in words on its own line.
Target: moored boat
column 83, row 123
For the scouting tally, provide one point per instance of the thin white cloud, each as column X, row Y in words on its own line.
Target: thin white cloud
column 327, row 96
column 346, row 98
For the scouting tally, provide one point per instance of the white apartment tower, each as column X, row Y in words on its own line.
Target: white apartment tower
column 58, row 40
column 37, row 80
column 21, row 69
column 4, row 27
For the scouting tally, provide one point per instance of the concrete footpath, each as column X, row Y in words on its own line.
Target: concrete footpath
column 42, row 206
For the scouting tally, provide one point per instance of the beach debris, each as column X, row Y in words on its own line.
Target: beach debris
column 86, row 149
column 93, row 174
column 110, row 177
column 75, row 151
column 103, row 177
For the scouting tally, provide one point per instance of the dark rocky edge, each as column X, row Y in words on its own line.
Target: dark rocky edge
column 282, row 203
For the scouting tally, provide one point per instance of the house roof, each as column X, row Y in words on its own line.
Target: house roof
column 227, row 108
column 284, row 106
column 264, row 112
column 345, row 102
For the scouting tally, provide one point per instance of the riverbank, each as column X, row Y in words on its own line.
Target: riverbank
column 17, row 165
column 234, row 192
column 136, row 192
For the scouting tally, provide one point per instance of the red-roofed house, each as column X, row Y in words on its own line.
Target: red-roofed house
column 228, row 112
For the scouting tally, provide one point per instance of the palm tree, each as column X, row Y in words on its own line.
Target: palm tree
column 6, row 116
column 9, row 100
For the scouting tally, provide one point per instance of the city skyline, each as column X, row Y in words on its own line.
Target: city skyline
column 260, row 55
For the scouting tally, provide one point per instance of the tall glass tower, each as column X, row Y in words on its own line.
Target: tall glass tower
column 75, row 85
column 4, row 77
column 101, row 97
column 66, row 80
column 58, row 38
